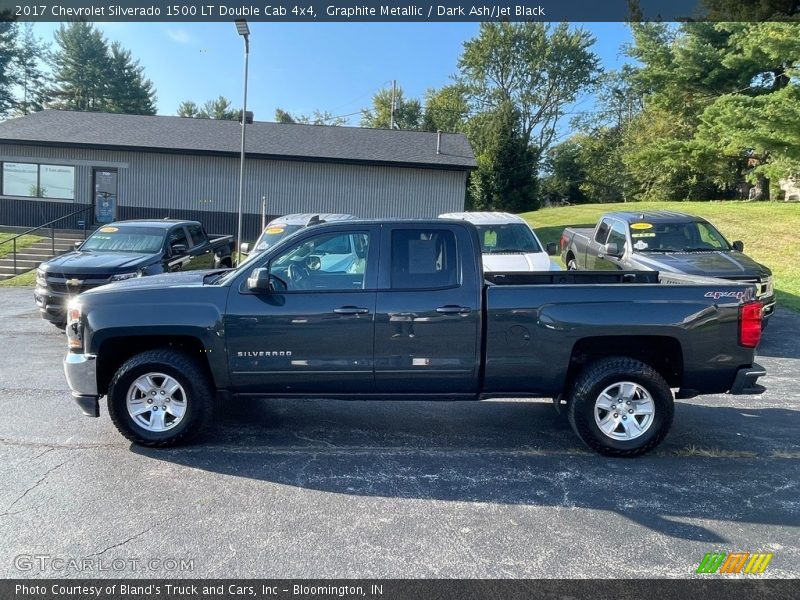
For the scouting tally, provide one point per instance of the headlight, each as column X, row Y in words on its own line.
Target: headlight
column 74, row 325
column 40, row 278
column 124, row 276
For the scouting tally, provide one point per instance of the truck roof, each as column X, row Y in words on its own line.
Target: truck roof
column 655, row 216
column 304, row 218
column 484, row 218
column 159, row 223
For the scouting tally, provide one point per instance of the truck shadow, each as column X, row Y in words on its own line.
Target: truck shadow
column 513, row 452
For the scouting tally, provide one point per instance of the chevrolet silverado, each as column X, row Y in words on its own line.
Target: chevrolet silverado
column 412, row 316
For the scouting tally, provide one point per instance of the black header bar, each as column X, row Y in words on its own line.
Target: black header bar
column 311, row 11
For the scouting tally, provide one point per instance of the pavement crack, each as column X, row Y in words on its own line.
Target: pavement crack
column 31, row 488
column 122, row 543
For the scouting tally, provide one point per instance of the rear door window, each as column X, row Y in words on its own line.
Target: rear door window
column 197, row 234
column 602, row 232
column 423, row 258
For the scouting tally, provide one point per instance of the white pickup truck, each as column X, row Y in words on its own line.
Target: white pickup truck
column 508, row 244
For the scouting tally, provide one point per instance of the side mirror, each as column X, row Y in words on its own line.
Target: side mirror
column 738, row 246
column 612, row 249
column 77, row 245
column 244, row 249
column 177, row 249
column 552, row 248
column 259, row 280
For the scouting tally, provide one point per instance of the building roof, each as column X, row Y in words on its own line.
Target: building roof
column 218, row 137
column 655, row 216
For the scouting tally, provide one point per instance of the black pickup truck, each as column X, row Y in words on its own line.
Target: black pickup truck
column 410, row 316
column 126, row 250
column 664, row 241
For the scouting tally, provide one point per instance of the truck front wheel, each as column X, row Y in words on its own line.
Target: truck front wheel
column 621, row 407
column 160, row 397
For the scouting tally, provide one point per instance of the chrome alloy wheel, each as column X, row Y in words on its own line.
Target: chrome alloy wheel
column 624, row 411
column 156, row 402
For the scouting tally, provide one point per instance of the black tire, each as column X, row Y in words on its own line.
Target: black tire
column 183, row 368
column 59, row 325
column 603, row 373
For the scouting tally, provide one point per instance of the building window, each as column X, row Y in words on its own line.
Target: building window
column 20, row 179
column 30, row 180
column 57, row 181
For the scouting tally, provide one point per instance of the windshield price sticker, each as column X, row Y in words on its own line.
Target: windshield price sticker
column 109, row 230
column 274, row 230
column 641, row 226
column 643, row 234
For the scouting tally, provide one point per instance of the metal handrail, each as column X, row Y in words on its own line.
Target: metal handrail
column 50, row 224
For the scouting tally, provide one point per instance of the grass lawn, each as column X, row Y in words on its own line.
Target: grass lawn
column 21, row 280
column 25, row 240
column 770, row 231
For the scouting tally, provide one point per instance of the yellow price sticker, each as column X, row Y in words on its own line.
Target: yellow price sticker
column 109, row 229
column 641, row 226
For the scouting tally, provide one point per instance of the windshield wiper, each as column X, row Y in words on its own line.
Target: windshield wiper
column 690, row 249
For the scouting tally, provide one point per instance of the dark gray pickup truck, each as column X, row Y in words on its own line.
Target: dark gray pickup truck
column 125, row 250
column 410, row 315
column 664, row 241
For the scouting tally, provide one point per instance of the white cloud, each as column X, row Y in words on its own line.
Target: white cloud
column 179, row 35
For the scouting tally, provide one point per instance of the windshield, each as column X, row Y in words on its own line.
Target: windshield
column 510, row 238
column 677, row 237
column 141, row 240
column 274, row 234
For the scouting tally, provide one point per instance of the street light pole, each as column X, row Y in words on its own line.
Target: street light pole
column 244, row 31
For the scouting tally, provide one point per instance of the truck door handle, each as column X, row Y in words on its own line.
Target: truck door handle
column 454, row 310
column 350, row 310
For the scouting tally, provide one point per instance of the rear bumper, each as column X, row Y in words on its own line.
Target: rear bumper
column 746, row 380
column 769, row 306
column 81, row 373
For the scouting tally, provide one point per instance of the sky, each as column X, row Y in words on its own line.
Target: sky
column 334, row 67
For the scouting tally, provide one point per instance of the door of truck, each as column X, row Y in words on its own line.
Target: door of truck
column 314, row 332
column 608, row 231
column 428, row 314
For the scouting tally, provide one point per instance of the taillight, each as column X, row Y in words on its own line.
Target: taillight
column 750, row 316
column 564, row 241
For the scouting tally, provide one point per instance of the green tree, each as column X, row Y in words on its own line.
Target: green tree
column 188, row 108
column 8, row 37
column 128, row 90
column 446, row 109
column 407, row 112
column 537, row 68
column 32, row 83
column 504, row 179
column 81, row 65
column 317, row 118
column 218, row 108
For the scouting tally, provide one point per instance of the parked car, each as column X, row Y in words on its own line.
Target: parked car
column 125, row 250
column 507, row 242
column 664, row 241
column 418, row 321
column 279, row 229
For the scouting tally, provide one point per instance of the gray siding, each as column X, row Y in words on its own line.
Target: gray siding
column 206, row 187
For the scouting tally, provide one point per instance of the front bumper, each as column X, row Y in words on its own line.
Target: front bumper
column 52, row 307
column 81, row 372
column 746, row 378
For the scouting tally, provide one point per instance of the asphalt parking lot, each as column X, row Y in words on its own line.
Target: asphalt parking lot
column 389, row 490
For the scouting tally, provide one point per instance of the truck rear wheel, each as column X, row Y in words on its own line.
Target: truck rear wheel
column 621, row 407
column 159, row 398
